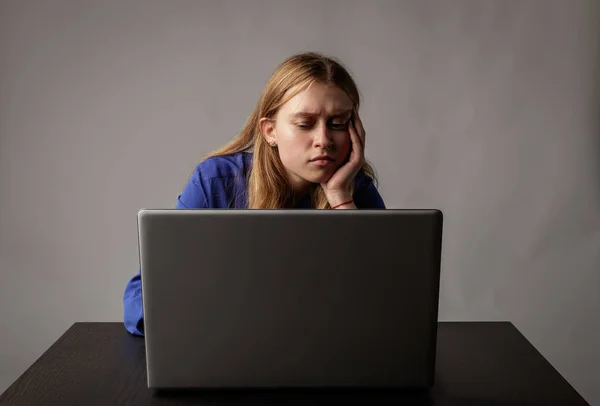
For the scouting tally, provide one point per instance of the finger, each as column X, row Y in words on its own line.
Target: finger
column 355, row 137
column 357, row 146
column 358, row 125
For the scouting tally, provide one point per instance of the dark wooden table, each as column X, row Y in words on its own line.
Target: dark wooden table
column 478, row 363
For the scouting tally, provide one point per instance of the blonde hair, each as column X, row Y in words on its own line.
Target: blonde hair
column 267, row 184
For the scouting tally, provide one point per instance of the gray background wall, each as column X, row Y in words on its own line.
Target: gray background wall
column 487, row 110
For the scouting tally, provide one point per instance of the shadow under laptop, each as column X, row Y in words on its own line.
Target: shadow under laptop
column 295, row 396
column 327, row 396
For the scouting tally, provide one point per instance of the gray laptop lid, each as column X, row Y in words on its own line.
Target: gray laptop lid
column 290, row 298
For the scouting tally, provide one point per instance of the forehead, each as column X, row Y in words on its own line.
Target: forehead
column 318, row 99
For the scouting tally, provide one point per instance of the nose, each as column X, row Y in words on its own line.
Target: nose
column 322, row 138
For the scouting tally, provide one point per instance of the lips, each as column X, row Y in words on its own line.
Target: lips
column 322, row 158
column 322, row 161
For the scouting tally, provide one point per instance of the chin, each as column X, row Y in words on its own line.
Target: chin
column 318, row 177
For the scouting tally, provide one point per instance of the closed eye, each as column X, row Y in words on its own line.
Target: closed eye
column 341, row 127
column 337, row 127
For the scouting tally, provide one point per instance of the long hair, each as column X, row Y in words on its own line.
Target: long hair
column 267, row 184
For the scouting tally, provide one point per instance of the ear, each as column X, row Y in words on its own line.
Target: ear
column 267, row 129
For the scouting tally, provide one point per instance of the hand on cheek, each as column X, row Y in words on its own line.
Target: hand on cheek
column 338, row 188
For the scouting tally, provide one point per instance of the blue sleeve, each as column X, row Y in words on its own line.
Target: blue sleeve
column 192, row 197
column 132, row 306
column 366, row 195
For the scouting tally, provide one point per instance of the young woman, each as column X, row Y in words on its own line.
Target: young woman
column 302, row 147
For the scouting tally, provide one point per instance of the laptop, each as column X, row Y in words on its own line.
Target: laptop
column 290, row 298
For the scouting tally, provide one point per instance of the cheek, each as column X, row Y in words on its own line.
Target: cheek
column 292, row 145
column 287, row 135
column 343, row 144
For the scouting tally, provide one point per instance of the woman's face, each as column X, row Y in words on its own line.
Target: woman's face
column 311, row 132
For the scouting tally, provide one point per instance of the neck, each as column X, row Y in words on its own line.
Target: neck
column 299, row 187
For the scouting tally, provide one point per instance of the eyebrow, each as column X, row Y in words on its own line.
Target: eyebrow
column 306, row 114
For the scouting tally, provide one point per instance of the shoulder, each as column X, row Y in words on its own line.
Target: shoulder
column 217, row 182
column 223, row 167
column 362, row 180
column 366, row 195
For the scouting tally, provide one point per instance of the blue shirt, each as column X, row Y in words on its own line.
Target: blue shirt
column 220, row 183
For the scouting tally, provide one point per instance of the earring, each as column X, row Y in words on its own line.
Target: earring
column 273, row 144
